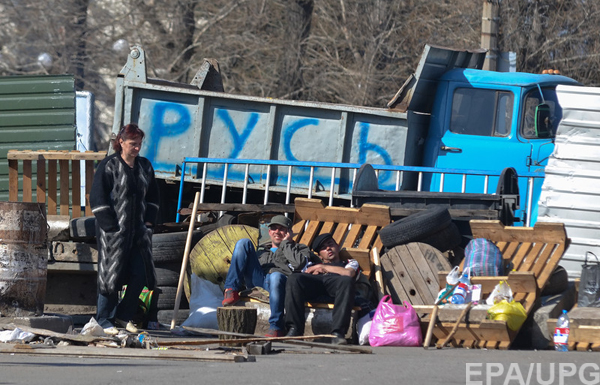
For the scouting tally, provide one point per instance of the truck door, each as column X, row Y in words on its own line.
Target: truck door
column 540, row 140
column 481, row 136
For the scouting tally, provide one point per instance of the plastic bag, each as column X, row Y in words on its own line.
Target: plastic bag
column 206, row 297
column 589, row 286
column 395, row 325
column 483, row 258
column 363, row 328
column 512, row 312
column 92, row 328
column 501, row 292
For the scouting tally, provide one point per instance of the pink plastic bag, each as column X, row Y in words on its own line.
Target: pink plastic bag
column 395, row 325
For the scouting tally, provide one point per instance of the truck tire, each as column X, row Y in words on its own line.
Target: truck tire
column 446, row 239
column 167, row 274
column 166, row 298
column 415, row 227
column 169, row 247
column 165, row 316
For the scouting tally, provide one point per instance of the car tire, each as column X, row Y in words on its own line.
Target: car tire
column 446, row 239
column 165, row 316
column 415, row 227
column 169, row 247
column 167, row 296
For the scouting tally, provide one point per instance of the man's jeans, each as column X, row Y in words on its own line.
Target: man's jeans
column 246, row 270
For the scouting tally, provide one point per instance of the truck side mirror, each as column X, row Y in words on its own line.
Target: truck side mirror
column 543, row 125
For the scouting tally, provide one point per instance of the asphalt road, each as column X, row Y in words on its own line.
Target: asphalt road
column 306, row 366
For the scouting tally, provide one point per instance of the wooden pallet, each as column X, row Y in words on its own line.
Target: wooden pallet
column 534, row 253
column 353, row 229
column 58, row 187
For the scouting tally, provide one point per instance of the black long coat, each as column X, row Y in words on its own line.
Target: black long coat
column 123, row 199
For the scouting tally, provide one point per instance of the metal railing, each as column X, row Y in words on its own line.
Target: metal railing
column 398, row 171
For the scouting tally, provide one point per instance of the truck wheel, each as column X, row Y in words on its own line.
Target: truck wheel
column 415, row 227
column 166, row 298
column 169, row 247
column 446, row 239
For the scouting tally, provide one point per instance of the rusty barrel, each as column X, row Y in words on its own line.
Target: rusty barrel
column 23, row 258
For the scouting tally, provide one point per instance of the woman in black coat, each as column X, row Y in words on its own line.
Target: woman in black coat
column 124, row 200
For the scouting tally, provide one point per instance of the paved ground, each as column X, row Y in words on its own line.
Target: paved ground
column 306, row 366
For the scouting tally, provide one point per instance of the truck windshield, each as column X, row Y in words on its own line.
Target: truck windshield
column 532, row 100
column 481, row 112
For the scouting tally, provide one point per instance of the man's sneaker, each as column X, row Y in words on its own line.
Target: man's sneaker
column 111, row 331
column 231, row 297
column 275, row 333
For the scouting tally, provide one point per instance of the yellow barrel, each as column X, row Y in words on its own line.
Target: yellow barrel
column 23, row 258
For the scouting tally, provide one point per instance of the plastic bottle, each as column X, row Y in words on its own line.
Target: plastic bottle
column 461, row 293
column 451, row 279
column 561, row 333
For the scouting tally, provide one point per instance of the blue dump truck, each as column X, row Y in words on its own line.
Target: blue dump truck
column 452, row 128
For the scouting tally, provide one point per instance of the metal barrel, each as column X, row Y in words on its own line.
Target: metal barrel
column 23, row 258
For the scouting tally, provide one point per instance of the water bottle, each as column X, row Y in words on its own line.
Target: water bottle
column 561, row 333
column 461, row 293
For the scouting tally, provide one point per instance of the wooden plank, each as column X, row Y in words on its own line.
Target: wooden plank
column 76, row 189
column 361, row 255
column 27, row 181
column 327, row 228
column 64, row 187
column 52, row 183
column 352, row 236
column 126, row 353
column 340, row 232
column 89, row 180
column 13, row 180
column 368, row 237
column 305, row 209
column 41, row 181
column 545, row 232
column 310, row 233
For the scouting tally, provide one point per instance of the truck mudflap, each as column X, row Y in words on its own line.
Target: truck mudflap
column 462, row 206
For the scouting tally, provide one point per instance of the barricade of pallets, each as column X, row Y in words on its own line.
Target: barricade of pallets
column 54, row 177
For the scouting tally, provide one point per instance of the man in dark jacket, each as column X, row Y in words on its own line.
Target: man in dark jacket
column 333, row 281
column 267, row 267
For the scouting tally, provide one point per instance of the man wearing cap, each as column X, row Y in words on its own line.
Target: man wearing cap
column 333, row 280
column 268, row 267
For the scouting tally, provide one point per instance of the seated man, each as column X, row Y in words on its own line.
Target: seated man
column 267, row 267
column 333, row 281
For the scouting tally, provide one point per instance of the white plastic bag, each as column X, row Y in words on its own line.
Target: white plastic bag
column 501, row 292
column 206, row 297
column 92, row 328
column 363, row 326
column 16, row 335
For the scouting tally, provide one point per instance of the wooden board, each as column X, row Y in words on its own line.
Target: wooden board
column 127, row 353
column 211, row 256
column 411, row 273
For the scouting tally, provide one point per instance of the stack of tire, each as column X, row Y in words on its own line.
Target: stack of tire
column 167, row 253
column 432, row 226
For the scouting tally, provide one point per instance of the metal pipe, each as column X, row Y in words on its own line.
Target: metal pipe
column 267, row 184
column 203, row 185
column 310, row 182
column 332, row 183
column 245, row 191
column 288, row 190
column 180, row 192
column 529, row 200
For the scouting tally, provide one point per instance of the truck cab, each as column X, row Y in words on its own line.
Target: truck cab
column 484, row 120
